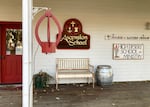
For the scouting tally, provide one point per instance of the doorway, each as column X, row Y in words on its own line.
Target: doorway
column 10, row 52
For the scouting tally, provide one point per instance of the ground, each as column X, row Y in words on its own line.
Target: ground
column 127, row 94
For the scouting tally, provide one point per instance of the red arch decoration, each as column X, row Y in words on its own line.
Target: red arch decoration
column 48, row 46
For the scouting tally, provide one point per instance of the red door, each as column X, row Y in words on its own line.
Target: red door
column 11, row 52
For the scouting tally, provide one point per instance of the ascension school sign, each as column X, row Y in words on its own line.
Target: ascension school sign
column 73, row 37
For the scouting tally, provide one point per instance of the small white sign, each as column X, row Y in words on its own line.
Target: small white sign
column 18, row 51
column 128, row 51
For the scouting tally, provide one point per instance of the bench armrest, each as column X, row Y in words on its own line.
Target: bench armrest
column 91, row 68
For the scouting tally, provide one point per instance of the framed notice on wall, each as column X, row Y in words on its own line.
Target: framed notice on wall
column 128, row 51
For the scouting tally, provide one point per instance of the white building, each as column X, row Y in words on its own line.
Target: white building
column 107, row 22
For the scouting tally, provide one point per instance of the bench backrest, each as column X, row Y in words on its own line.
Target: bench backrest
column 72, row 63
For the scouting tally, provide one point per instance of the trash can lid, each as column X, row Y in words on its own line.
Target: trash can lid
column 104, row 66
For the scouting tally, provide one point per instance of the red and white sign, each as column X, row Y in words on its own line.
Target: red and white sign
column 73, row 37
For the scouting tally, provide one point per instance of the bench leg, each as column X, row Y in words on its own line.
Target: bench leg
column 88, row 79
column 56, row 84
column 93, row 79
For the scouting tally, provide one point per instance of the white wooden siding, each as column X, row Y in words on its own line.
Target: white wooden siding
column 99, row 18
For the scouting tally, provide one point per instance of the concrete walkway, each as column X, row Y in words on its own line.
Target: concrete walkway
column 132, row 94
column 135, row 94
column 10, row 96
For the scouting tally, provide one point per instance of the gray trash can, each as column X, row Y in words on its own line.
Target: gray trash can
column 104, row 75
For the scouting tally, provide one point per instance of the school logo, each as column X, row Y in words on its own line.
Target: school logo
column 73, row 37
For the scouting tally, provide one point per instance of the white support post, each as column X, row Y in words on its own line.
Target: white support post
column 27, row 92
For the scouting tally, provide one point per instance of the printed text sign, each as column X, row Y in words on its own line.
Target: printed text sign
column 128, row 51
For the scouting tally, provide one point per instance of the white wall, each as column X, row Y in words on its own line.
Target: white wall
column 99, row 18
column 10, row 10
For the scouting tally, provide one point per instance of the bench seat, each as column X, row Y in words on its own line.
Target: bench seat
column 74, row 74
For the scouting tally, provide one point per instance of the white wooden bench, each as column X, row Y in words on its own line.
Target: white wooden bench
column 74, row 68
